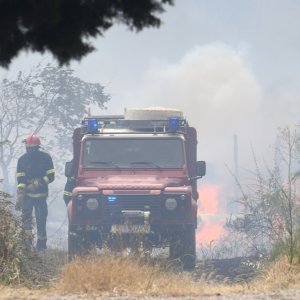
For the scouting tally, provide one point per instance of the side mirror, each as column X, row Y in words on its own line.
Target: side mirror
column 201, row 168
column 69, row 169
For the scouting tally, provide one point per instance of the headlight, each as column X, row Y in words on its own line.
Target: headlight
column 171, row 203
column 80, row 197
column 182, row 197
column 92, row 203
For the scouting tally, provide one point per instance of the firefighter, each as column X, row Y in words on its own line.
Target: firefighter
column 70, row 184
column 34, row 172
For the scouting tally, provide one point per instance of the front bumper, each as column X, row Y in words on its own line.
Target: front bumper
column 137, row 209
column 157, row 236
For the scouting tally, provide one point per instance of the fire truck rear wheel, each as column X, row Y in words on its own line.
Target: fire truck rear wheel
column 183, row 247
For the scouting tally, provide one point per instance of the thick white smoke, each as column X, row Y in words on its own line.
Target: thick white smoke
column 218, row 94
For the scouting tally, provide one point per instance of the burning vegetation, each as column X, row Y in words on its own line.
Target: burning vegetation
column 210, row 222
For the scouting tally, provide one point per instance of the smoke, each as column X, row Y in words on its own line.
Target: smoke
column 221, row 97
column 218, row 94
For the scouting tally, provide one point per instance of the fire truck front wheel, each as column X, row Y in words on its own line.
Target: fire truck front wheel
column 80, row 243
column 183, row 247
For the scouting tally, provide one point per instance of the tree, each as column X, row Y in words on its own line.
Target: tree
column 64, row 26
column 270, row 207
column 48, row 98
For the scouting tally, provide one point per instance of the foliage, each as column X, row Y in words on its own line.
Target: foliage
column 13, row 256
column 19, row 264
column 271, row 205
column 282, row 247
column 64, row 26
column 48, row 98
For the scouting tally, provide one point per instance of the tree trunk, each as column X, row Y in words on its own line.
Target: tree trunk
column 5, row 174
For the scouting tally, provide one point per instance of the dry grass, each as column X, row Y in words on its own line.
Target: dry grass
column 111, row 275
column 277, row 276
column 117, row 275
column 120, row 274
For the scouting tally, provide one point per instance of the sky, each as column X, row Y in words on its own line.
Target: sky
column 232, row 66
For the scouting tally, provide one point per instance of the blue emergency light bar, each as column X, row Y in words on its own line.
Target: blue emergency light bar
column 93, row 125
column 111, row 198
column 174, row 124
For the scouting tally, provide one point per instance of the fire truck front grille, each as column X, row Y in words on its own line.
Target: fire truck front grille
column 114, row 205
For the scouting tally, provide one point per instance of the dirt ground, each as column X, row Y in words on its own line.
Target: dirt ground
column 280, row 295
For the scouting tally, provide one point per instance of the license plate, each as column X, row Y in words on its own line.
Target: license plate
column 124, row 228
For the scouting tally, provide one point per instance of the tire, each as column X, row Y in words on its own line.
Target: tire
column 116, row 243
column 80, row 243
column 74, row 248
column 183, row 247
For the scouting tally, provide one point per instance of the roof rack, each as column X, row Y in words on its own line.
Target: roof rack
column 111, row 124
column 105, row 117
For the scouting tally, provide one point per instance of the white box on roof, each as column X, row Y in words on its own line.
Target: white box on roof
column 152, row 113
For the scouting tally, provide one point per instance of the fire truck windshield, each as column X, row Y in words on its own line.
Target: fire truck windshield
column 133, row 153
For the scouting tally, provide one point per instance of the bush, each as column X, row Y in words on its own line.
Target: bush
column 282, row 248
column 13, row 254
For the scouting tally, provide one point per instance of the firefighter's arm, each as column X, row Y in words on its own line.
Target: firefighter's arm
column 50, row 172
column 21, row 175
column 20, row 199
column 46, row 179
column 68, row 189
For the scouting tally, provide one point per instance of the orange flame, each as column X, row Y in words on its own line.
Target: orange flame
column 208, row 199
column 210, row 222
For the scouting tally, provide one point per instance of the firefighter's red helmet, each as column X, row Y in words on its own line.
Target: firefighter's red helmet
column 32, row 140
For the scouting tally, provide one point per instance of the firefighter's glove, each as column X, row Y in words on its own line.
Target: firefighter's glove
column 20, row 199
column 34, row 185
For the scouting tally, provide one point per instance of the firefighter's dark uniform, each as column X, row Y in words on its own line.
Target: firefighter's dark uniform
column 70, row 184
column 34, row 172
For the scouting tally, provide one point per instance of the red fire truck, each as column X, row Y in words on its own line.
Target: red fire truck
column 135, row 179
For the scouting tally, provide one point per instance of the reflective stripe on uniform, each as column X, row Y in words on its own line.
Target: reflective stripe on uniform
column 50, row 171
column 36, row 195
column 67, row 193
column 21, row 185
column 41, row 237
column 46, row 179
column 20, row 174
